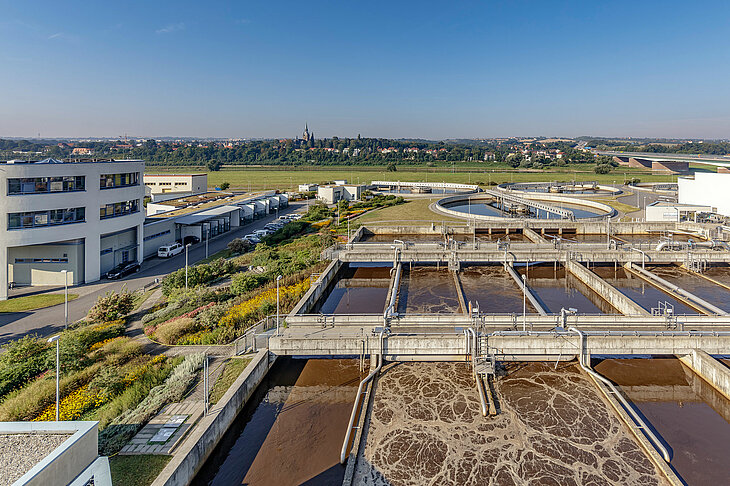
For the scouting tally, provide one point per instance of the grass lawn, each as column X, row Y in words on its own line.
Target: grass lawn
column 32, row 302
column 290, row 177
column 234, row 367
column 412, row 211
column 615, row 204
column 136, row 470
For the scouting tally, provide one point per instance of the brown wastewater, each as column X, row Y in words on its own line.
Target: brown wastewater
column 425, row 427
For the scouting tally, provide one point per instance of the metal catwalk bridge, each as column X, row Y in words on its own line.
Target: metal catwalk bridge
column 503, row 196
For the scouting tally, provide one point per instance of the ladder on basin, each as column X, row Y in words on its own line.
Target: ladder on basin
column 695, row 264
column 454, row 264
column 483, row 366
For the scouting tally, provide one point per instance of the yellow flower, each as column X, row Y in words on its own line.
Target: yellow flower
column 73, row 405
column 240, row 312
column 100, row 344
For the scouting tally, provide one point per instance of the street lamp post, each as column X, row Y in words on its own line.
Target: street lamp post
column 54, row 339
column 207, row 237
column 186, row 265
column 277, row 304
column 524, row 302
column 65, row 298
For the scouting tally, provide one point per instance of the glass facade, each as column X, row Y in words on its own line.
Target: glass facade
column 119, row 209
column 45, row 185
column 52, row 217
column 108, row 181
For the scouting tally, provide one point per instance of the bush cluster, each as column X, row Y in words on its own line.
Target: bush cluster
column 197, row 275
column 288, row 231
column 112, row 306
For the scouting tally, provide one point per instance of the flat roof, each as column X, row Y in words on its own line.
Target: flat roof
column 206, row 215
column 194, row 208
column 174, row 175
column 185, row 201
column 666, row 204
column 67, row 161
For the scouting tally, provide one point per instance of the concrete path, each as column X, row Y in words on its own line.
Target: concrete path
column 49, row 320
column 186, row 413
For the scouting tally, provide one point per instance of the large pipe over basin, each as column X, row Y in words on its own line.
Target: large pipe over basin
column 642, row 425
column 674, row 288
column 357, row 405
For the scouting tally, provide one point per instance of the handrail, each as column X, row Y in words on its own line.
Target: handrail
column 643, row 425
column 355, row 407
column 698, row 300
column 480, row 385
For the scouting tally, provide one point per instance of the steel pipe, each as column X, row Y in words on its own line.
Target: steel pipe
column 643, row 425
column 356, row 406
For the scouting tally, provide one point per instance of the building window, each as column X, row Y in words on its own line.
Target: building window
column 156, row 235
column 119, row 209
column 39, row 219
column 45, row 185
column 41, row 260
column 105, row 251
column 109, row 181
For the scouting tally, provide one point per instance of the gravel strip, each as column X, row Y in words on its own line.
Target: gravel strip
column 20, row 452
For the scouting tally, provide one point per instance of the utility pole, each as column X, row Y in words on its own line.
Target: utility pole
column 65, row 298
column 55, row 339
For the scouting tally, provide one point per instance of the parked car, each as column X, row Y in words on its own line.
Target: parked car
column 295, row 216
column 262, row 232
column 190, row 240
column 167, row 251
column 252, row 238
column 123, row 270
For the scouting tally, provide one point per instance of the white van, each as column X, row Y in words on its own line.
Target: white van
column 169, row 250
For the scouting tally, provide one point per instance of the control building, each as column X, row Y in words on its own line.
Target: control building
column 85, row 217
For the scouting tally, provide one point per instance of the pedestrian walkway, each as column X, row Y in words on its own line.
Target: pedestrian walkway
column 165, row 431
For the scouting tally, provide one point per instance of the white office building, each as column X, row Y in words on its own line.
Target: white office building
column 162, row 187
column 82, row 217
column 707, row 189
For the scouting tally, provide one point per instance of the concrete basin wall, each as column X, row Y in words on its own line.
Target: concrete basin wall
column 709, row 369
column 205, row 436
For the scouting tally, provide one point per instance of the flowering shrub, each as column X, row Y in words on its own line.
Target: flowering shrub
column 192, row 313
column 140, row 370
column 247, row 312
column 100, row 344
column 172, row 331
column 322, row 224
column 112, row 306
column 73, row 405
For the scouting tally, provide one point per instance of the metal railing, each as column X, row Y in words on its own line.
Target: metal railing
column 256, row 335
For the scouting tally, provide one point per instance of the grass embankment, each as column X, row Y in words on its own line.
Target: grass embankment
column 233, row 368
column 410, row 212
column 290, row 177
column 136, row 470
column 615, row 204
column 32, row 302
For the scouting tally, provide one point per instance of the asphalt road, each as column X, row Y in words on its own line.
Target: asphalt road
column 45, row 322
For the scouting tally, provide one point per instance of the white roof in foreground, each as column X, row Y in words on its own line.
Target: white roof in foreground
column 206, row 215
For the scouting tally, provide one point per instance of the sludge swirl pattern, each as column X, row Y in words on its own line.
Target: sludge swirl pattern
column 553, row 429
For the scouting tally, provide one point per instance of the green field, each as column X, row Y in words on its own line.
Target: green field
column 285, row 178
column 415, row 210
column 32, row 302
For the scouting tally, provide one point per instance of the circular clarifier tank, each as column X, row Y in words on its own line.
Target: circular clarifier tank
column 566, row 188
column 488, row 207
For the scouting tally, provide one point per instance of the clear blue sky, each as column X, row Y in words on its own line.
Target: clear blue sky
column 389, row 69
